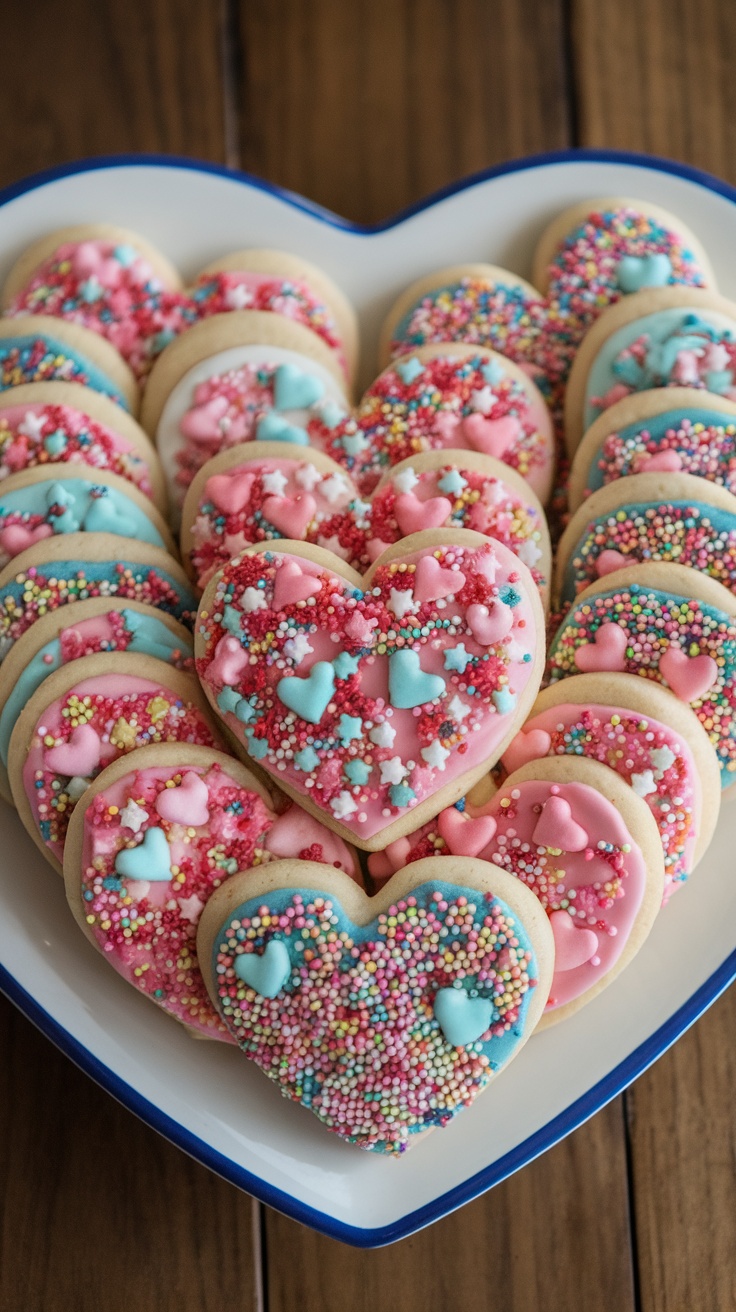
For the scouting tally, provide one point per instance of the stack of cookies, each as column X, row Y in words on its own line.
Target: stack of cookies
column 368, row 586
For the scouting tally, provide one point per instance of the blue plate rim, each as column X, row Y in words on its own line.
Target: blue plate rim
column 637, row 1061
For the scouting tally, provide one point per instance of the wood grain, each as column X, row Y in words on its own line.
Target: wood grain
column 90, row 78
column 368, row 106
column 554, row 1236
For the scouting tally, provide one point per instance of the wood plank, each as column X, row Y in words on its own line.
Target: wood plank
column 93, row 79
column 368, row 106
column 683, row 1149
column 553, row 1236
column 365, row 108
column 657, row 76
column 98, row 1210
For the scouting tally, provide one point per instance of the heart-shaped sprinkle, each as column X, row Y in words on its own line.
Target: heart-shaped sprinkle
column 290, row 515
column 492, row 436
column 464, row 835
column 607, row 651
column 293, row 389
column 150, row 860
column 228, row 661
column 186, row 803
column 230, row 492
column 204, row 422
column 528, row 745
column 462, row 1019
column 490, row 624
column 689, row 677
column 272, row 427
column 266, row 972
column 18, row 537
column 432, row 582
column 666, row 462
column 413, row 515
column 408, row 684
column 294, row 584
column 309, row 696
column 573, row 946
column 633, row 272
column 558, row 829
column 80, row 754
column 611, row 560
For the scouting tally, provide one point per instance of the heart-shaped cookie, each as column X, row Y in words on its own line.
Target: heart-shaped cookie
column 374, row 701
column 158, row 831
column 426, row 989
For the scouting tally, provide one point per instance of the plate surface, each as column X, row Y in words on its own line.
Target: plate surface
column 207, row 1098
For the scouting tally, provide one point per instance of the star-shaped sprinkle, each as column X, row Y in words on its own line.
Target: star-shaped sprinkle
column 402, row 602
column 457, row 709
column 410, row 370
column 307, row 476
column 253, row 599
column 435, row 755
column 515, row 651
column 330, row 413
column 493, row 373
column 349, row 727
column 357, row 771
column 227, row 700
column 257, row 747
column 354, row 443
column 643, row 784
column 401, row 795
column 406, row 480
column 335, row 489
column 297, row 648
column 191, row 908
column 274, row 482
column 133, row 816
column 662, row 758
column 482, row 400
column 31, row 426
column 529, row 553
column 238, row 297
column 307, row 759
column 383, row 735
column 343, row 806
column 504, row 701
column 392, row 771
column 452, row 482
column 456, row 658
column 344, row 664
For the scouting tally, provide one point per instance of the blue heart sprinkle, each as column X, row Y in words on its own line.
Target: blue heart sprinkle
column 408, row 684
column 273, row 428
column 150, row 860
column 461, row 1018
column 636, row 271
column 293, row 389
column 265, row 972
column 309, row 696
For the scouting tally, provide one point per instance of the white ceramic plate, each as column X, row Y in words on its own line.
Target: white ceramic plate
column 205, row 1097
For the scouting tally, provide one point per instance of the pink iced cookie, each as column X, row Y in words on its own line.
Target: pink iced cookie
column 253, row 493
column 448, row 397
column 374, row 701
column 153, row 838
column 84, row 716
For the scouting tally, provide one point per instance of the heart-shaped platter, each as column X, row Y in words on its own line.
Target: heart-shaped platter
column 203, row 1096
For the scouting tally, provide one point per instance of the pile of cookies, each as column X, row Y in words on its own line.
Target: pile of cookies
column 369, row 587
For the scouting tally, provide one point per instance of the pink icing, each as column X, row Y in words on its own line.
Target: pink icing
column 419, row 607
column 93, row 724
column 598, row 884
column 654, row 760
column 25, row 428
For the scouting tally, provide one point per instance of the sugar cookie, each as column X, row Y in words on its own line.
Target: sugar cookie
column 37, row 349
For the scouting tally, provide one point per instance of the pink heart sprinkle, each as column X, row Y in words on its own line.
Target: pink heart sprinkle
column 202, row 423
column 79, row 755
column 667, row 461
column 293, row 584
column 607, row 651
column 187, row 803
column 413, row 515
column 431, row 581
column 229, row 492
column 228, row 662
column 492, row 436
column 17, row 537
column 689, row 677
column 462, row 835
column 573, row 946
column 529, row 745
column 290, row 515
column 489, row 624
column 611, row 560
column 557, row 828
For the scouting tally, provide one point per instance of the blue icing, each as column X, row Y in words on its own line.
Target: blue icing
column 658, row 426
column 96, row 379
column 94, row 572
column 722, row 522
column 668, row 331
column 150, row 636
column 110, row 512
column 288, row 967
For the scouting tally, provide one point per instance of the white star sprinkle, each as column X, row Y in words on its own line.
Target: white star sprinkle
column 274, row 482
column 383, row 735
column 343, row 806
column 253, row 599
column 335, row 489
column 297, row 648
column 402, row 603
column 238, row 298
column 529, row 553
column 457, row 709
column 483, row 400
column 393, row 771
column 662, row 758
column 133, row 816
column 643, row 784
column 307, row 477
column 32, row 426
column 406, row 481
column 515, row 651
column 435, row 755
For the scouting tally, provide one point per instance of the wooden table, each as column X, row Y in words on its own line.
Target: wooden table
column 365, row 106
